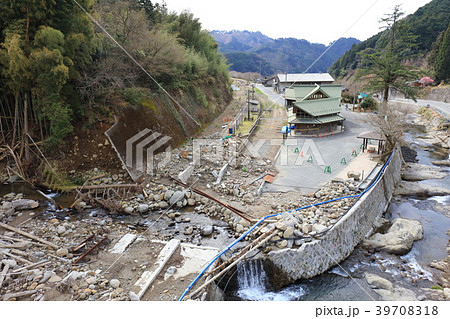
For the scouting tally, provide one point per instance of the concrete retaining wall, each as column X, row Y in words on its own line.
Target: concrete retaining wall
column 318, row 256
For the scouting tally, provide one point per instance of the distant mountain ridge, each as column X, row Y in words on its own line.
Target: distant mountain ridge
column 248, row 51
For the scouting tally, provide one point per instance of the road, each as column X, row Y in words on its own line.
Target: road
column 443, row 108
column 295, row 172
column 273, row 96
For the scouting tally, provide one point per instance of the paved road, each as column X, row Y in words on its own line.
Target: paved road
column 444, row 108
column 297, row 174
column 273, row 96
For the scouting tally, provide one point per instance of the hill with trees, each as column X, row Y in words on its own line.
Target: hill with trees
column 67, row 67
column 424, row 28
column 255, row 52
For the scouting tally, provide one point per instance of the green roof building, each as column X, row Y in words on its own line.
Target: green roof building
column 314, row 109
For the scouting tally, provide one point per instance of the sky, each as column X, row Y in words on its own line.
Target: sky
column 316, row 21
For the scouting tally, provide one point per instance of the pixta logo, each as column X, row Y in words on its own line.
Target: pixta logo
column 140, row 151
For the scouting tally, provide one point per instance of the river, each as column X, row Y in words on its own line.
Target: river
column 346, row 282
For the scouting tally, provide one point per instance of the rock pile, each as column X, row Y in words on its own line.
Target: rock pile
column 35, row 268
column 13, row 205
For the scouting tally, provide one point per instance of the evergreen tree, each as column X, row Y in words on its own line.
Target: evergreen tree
column 384, row 70
column 442, row 63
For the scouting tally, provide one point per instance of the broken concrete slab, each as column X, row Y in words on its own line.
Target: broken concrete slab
column 148, row 277
column 184, row 175
column 123, row 243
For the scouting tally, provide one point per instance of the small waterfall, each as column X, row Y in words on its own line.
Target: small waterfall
column 254, row 284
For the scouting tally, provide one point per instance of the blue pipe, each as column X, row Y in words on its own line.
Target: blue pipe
column 274, row 215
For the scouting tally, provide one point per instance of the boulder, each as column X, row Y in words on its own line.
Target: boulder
column 318, row 228
column 414, row 189
column 441, row 163
column 398, row 239
column 378, row 282
column 355, row 175
column 114, row 283
column 163, row 204
column 412, row 226
column 188, row 230
column 24, row 204
column 288, row 232
column 397, row 294
column 281, row 226
column 143, row 208
column 168, row 195
column 191, row 202
column 176, row 197
column 207, row 230
column 418, row 172
column 62, row 252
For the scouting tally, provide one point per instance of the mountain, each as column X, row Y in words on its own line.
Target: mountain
column 239, row 41
column 255, row 52
column 425, row 24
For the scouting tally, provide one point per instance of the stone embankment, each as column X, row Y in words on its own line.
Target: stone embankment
column 334, row 245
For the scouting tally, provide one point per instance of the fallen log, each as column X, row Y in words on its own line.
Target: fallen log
column 21, row 232
column 91, row 187
column 19, row 294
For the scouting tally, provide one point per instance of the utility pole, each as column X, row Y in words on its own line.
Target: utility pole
column 248, row 105
column 354, row 97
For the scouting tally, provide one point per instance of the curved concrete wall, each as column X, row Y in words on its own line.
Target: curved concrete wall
column 317, row 256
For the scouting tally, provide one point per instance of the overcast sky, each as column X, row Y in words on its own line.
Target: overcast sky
column 316, row 21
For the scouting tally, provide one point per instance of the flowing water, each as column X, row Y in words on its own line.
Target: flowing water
column 346, row 282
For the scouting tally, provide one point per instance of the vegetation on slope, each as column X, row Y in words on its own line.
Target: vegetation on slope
column 425, row 25
column 60, row 71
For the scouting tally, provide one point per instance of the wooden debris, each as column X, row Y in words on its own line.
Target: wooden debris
column 20, row 245
column 16, row 230
column 35, row 265
column 19, row 294
column 3, row 274
column 22, row 260
column 90, row 187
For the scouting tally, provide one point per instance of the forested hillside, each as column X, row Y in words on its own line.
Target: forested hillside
column 424, row 28
column 255, row 52
column 60, row 72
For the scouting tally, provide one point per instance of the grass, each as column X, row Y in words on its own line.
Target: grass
column 245, row 127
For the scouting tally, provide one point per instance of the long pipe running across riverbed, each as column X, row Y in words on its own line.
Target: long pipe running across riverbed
column 274, row 215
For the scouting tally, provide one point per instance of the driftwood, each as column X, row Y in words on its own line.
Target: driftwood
column 23, row 260
column 14, row 251
column 3, row 274
column 19, row 294
column 91, row 187
column 38, row 264
column 20, row 245
column 16, row 230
